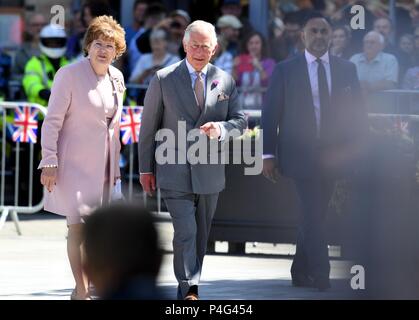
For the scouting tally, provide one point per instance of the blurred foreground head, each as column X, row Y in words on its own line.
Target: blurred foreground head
column 122, row 257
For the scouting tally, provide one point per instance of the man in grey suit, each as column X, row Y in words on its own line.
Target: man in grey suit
column 186, row 97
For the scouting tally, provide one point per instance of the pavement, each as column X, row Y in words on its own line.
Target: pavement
column 34, row 266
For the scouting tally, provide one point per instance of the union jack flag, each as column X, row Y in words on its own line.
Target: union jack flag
column 25, row 124
column 130, row 124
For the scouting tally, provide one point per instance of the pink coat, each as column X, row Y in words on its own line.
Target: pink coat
column 74, row 137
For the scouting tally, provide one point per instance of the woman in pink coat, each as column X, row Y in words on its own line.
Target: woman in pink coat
column 80, row 136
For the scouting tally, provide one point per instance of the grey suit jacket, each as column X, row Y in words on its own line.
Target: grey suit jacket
column 170, row 99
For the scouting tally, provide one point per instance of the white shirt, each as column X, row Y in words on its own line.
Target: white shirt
column 383, row 67
column 312, row 66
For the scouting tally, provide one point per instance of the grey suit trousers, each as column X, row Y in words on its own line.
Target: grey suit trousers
column 191, row 217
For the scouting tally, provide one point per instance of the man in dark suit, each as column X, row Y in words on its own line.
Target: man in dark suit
column 313, row 122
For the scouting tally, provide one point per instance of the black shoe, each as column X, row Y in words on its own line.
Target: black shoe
column 193, row 290
column 321, row 284
column 301, row 280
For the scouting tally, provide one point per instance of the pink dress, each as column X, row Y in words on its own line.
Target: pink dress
column 80, row 134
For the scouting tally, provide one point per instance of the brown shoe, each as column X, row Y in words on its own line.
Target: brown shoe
column 191, row 296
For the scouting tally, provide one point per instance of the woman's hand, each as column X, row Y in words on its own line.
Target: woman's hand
column 49, row 177
column 257, row 65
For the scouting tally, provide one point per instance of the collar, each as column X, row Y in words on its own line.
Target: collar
column 192, row 70
column 310, row 58
column 377, row 58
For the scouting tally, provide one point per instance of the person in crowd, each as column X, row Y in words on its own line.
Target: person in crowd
column 150, row 63
column 277, row 31
column 122, row 255
column 140, row 43
column 80, row 137
column 189, row 94
column 222, row 58
column 277, row 28
column 290, row 43
column 40, row 70
column 406, row 54
column 344, row 16
column 229, row 28
column 341, row 42
column 5, row 74
column 411, row 79
column 384, row 26
column 139, row 8
column 235, row 8
column 75, row 39
column 252, row 70
column 90, row 9
column 30, row 47
column 314, row 124
column 179, row 21
column 376, row 70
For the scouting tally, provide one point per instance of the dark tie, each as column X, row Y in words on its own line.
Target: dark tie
column 199, row 90
column 325, row 107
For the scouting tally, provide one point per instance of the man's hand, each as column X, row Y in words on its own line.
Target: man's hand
column 148, row 182
column 270, row 170
column 211, row 129
column 49, row 178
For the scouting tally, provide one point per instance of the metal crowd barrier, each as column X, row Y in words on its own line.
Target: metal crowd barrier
column 131, row 121
column 13, row 208
column 7, row 124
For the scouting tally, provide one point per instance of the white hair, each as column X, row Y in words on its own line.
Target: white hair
column 380, row 37
column 200, row 25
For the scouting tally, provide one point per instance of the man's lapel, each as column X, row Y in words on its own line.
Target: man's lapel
column 211, row 90
column 185, row 91
column 304, row 80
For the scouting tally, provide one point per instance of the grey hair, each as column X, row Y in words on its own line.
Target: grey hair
column 200, row 25
column 381, row 38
